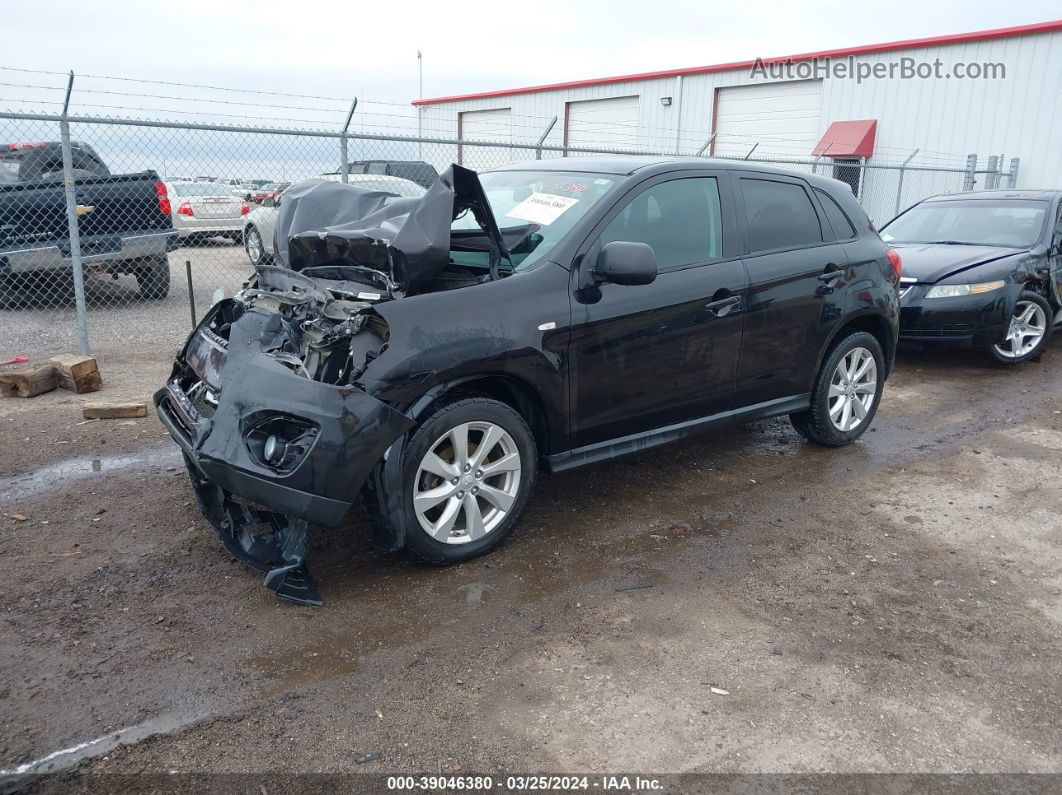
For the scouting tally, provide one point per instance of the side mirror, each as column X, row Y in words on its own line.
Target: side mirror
column 621, row 262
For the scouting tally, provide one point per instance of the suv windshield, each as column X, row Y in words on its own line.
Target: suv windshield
column 978, row 222
column 552, row 200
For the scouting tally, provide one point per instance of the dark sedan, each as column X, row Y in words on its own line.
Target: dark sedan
column 981, row 270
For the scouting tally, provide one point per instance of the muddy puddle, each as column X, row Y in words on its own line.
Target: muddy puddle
column 60, row 474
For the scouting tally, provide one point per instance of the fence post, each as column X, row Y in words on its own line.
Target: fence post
column 344, row 164
column 707, row 143
column 542, row 138
column 71, row 224
column 1012, row 175
column 992, row 177
column 815, row 162
column 899, row 181
column 971, row 173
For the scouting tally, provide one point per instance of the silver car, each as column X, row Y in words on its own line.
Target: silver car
column 201, row 210
column 258, row 225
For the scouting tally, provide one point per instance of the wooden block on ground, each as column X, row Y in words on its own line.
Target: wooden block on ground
column 106, row 410
column 28, row 381
column 77, row 373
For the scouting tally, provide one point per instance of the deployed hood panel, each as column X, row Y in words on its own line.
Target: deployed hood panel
column 408, row 240
column 929, row 262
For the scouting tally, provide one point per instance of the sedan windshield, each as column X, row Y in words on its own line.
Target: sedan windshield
column 554, row 201
column 201, row 189
column 978, row 222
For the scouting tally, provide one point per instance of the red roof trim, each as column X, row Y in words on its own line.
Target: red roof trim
column 866, row 49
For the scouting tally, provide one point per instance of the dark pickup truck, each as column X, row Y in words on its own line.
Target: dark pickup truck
column 124, row 220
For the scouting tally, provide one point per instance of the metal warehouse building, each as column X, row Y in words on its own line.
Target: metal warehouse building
column 994, row 94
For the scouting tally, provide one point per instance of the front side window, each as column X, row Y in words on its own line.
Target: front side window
column 780, row 215
column 977, row 222
column 680, row 220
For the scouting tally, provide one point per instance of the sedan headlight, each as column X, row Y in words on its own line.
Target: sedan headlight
column 956, row 290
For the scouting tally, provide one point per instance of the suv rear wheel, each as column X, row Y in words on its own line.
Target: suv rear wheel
column 847, row 392
column 468, row 472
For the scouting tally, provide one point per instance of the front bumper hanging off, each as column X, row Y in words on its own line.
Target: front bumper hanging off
column 352, row 431
column 279, row 551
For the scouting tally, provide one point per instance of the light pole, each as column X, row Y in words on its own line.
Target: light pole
column 420, row 109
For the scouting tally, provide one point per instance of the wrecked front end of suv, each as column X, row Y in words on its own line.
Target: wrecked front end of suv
column 265, row 398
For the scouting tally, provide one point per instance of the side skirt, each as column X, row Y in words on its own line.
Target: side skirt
column 614, row 448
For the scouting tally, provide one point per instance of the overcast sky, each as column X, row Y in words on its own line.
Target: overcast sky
column 368, row 49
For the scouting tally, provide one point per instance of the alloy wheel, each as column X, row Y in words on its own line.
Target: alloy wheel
column 853, row 389
column 254, row 246
column 1027, row 327
column 467, row 482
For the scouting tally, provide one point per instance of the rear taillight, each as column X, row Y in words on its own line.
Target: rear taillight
column 164, row 198
column 186, row 209
column 245, row 208
column 896, row 262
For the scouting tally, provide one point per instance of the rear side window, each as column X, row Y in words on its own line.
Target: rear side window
column 842, row 226
column 780, row 215
column 680, row 219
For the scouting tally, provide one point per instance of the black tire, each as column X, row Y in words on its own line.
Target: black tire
column 1024, row 299
column 815, row 424
column 425, row 438
column 153, row 278
column 264, row 258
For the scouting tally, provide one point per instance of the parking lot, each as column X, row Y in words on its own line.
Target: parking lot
column 740, row 602
column 119, row 316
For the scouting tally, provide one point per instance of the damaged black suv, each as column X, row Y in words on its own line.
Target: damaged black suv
column 429, row 355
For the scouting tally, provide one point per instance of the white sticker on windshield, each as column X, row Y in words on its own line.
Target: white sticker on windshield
column 541, row 208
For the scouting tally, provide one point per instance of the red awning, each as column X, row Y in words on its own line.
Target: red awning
column 848, row 139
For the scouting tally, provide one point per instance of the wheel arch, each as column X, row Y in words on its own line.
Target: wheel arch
column 874, row 324
column 503, row 387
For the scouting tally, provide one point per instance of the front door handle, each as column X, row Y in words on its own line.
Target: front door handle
column 724, row 306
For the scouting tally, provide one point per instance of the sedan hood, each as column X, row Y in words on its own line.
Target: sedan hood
column 931, row 262
column 405, row 241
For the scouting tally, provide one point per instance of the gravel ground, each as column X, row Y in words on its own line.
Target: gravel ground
column 893, row 606
column 118, row 317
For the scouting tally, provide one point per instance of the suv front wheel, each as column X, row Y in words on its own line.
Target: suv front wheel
column 468, row 473
column 847, row 392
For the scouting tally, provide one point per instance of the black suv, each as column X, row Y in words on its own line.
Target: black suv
column 424, row 356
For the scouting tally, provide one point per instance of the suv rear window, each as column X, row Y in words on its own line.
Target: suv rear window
column 780, row 215
column 842, row 225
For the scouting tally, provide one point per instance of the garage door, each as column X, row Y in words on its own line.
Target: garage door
column 485, row 125
column 783, row 118
column 604, row 123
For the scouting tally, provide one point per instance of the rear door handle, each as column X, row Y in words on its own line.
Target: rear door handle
column 724, row 306
column 830, row 275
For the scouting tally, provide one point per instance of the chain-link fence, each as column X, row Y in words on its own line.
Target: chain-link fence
column 115, row 232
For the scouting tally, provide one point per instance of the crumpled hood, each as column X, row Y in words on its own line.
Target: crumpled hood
column 929, row 263
column 329, row 223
